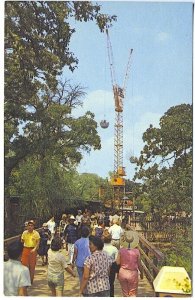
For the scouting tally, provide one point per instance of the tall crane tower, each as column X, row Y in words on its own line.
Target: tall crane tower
column 118, row 181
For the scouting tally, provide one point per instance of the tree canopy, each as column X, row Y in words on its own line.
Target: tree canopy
column 164, row 170
column 39, row 102
column 37, row 48
column 165, row 163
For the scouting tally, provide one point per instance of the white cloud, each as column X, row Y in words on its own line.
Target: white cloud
column 162, row 36
column 101, row 162
column 100, row 102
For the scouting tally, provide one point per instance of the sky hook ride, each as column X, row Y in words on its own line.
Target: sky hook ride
column 117, row 180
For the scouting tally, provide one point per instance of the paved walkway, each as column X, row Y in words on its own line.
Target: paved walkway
column 41, row 289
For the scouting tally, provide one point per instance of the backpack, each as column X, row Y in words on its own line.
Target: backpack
column 99, row 231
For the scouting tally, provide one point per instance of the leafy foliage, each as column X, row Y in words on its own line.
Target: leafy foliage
column 43, row 185
column 165, row 163
column 87, row 185
column 39, row 123
column 46, row 188
column 37, row 38
column 165, row 168
column 180, row 254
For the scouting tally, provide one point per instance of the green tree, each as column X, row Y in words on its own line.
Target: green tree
column 165, row 163
column 37, row 38
column 87, row 186
column 45, row 187
column 37, row 41
column 180, row 253
column 53, row 133
column 165, row 168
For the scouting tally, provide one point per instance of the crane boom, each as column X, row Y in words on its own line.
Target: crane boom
column 127, row 72
column 111, row 59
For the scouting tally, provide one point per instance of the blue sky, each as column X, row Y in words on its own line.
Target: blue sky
column 160, row 34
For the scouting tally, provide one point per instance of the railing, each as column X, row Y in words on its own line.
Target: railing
column 10, row 240
column 151, row 258
column 7, row 242
column 151, row 234
column 157, row 235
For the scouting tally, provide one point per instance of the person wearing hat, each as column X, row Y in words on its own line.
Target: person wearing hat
column 70, row 237
column 45, row 235
column 130, row 263
column 31, row 239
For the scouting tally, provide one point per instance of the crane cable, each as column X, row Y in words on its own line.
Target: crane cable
column 127, row 72
column 111, row 59
column 105, row 79
column 133, row 114
column 104, row 124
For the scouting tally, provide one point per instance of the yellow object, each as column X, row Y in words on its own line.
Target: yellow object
column 121, row 171
column 117, row 181
column 30, row 239
column 172, row 281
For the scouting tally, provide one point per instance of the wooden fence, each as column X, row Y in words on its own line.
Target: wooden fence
column 152, row 259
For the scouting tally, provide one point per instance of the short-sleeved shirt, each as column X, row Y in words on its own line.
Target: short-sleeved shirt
column 99, row 264
column 51, row 226
column 30, row 238
column 129, row 258
column 56, row 263
column 111, row 250
column 82, row 246
column 15, row 276
column 116, row 231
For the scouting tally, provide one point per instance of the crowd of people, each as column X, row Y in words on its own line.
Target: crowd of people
column 100, row 246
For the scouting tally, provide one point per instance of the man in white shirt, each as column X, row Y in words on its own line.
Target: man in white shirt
column 116, row 232
column 52, row 227
column 16, row 276
column 79, row 217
